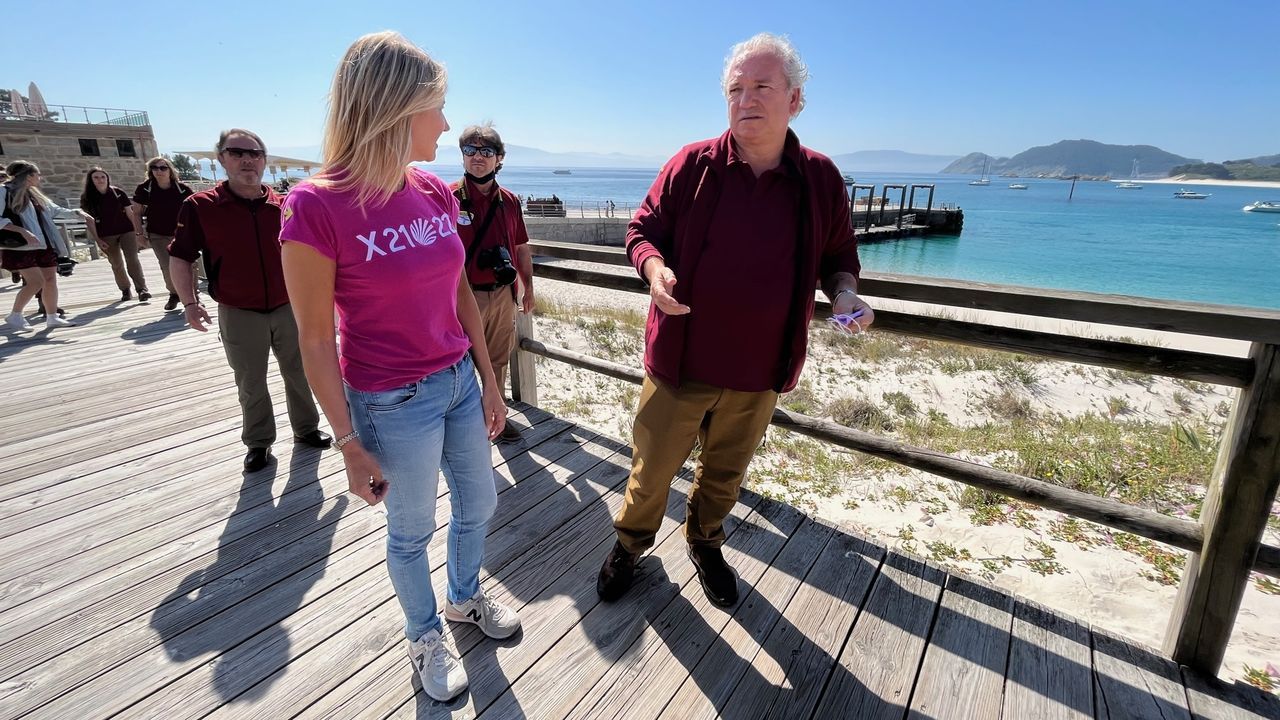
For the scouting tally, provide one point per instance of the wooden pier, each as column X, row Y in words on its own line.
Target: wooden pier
column 143, row 575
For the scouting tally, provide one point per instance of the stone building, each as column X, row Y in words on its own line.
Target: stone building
column 68, row 141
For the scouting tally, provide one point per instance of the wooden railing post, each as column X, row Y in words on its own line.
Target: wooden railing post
column 1235, row 514
column 524, row 374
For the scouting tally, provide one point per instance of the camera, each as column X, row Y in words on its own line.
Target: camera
column 65, row 266
column 498, row 260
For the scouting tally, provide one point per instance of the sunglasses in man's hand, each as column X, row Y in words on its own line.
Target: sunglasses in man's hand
column 847, row 322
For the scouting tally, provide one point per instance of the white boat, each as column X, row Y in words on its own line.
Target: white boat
column 1130, row 184
column 984, row 180
column 1268, row 206
column 1017, row 186
column 561, row 172
column 1185, row 194
column 848, row 179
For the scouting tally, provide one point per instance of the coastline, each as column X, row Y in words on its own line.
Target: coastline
column 1275, row 185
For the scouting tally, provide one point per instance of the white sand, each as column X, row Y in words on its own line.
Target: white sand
column 1102, row 584
column 1181, row 180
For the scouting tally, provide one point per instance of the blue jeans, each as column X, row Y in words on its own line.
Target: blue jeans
column 435, row 424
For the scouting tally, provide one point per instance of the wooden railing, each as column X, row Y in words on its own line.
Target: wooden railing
column 1226, row 544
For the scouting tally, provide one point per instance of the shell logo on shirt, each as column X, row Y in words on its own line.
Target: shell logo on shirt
column 418, row 233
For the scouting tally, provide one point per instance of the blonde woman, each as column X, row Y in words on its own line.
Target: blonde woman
column 379, row 241
column 27, row 214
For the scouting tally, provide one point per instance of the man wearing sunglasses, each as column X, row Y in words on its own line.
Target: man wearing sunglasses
column 732, row 238
column 492, row 230
column 236, row 228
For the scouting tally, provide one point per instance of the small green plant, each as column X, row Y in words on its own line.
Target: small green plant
column 1268, row 679
column 1008, row 405
column 945, row 552
column 1118, row 405
column 1266, row 584
column 859, row 413
column 802, row 399
column 1184, row 401
column 986, row 508
column 1074, row 531
column 1166, row 567
column 900, row 496
column 901, row 403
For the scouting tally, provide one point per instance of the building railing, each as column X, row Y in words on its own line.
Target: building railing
column 76, row 114
column 1226, row 543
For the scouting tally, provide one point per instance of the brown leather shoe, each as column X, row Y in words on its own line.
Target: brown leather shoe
column 510, row 433
column 719, row 581
column 616, row 574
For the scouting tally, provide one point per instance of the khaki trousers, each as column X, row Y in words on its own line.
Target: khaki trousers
column 498, row 314
column 728, row 424
column 247, row 338
column 122, row 253
column 160, row 246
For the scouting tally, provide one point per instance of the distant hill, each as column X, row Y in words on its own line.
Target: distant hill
column 891, row 161
column 1076, row 157
column 1264, row 161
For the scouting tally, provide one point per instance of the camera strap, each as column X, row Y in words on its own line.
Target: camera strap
column 484, row 227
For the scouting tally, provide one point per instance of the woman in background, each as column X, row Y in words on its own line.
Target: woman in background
column 158, row 198
column 116, row 230
column 29, row 214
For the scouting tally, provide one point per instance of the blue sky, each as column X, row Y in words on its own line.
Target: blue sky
column 1194, row 78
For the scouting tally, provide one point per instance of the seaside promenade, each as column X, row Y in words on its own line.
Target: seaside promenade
column 142, row 575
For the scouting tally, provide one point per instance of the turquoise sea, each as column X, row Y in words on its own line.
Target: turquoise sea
column 1132, row 242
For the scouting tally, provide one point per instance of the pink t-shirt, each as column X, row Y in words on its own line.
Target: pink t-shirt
column 396, row 279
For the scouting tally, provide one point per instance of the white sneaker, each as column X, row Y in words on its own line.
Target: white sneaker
column 55, row 321
column 496, row 620
column 15, row 321
column 442, row 674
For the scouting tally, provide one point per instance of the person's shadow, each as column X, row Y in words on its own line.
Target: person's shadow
column 156, row 330
column 228, row 583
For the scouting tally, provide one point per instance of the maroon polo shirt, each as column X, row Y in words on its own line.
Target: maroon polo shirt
column 161, row 204
column 240, row 242
column 506, row 229
column 109, row 212
column 742, row 287
column 675, row 223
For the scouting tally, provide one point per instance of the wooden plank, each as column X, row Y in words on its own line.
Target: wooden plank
column 1050, row 669
column 542, row 584
column 524, row 369
column 1133, row 682
column 676, row 640
column 35, row 622
column 704, row 693
column 787, row 676
column 605, row 632
column 1208, row 698
column 880, row 661
column 347, row 579
column 290, row 689
column 1236, row 510
column 962, row 675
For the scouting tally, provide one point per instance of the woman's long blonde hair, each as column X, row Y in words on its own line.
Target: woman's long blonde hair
column 381, row 83
column 21, row 190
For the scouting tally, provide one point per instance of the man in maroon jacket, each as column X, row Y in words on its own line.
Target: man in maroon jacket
column 236, row 227
column 732, row 238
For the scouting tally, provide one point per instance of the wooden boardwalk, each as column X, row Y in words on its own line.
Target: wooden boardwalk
column 142, row 575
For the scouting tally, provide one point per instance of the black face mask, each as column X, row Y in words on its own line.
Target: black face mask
column 482, row 180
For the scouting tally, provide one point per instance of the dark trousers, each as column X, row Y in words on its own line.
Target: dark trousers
column 247, row 338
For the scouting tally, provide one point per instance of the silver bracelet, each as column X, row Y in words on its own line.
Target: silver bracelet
column 337, row 444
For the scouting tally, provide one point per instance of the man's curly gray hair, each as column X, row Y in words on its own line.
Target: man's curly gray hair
column 796, row 72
